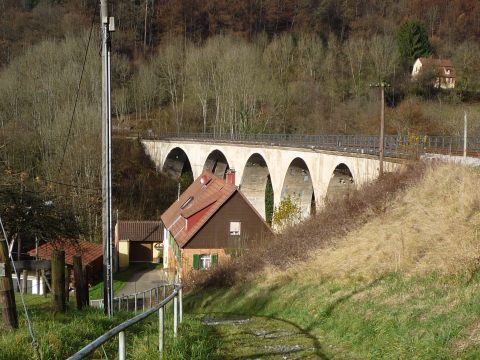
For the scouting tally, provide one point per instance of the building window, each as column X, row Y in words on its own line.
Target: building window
column 204, row 261
column 235, row 228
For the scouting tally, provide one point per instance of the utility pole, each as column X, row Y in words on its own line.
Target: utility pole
column 382, row 85
column 108, row 26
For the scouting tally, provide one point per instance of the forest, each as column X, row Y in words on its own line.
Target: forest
column 246, row 66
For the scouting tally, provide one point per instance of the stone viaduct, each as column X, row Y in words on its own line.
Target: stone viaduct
column 308, row 176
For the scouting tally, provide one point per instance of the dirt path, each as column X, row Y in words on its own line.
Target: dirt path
column 143, row 280
column 244, row 337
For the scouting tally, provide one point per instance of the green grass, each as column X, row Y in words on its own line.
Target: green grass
column 61, row 335
column 120, row 279
column 395, row 317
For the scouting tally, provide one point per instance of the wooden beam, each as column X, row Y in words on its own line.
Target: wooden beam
column 32, row 265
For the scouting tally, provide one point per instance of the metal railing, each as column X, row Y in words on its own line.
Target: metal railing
column 120, row 330
column 396, row 146
column 138, row 301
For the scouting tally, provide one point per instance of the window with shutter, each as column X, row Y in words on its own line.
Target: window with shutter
column 196, row 261
column 214, row 259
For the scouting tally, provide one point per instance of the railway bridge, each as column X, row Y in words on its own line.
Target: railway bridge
column 308, row 170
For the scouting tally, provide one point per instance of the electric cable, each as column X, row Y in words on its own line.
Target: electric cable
column 27, row 317
column 78, row 88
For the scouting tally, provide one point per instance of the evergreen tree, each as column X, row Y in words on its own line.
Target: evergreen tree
column 413, row 43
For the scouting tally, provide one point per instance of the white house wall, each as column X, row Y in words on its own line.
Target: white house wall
column 321, row 164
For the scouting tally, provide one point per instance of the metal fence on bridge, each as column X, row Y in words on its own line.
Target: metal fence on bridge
column 396, row 146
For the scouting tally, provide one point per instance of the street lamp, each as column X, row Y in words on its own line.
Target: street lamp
column 382, row 85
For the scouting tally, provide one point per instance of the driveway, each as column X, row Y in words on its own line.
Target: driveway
column 143, row 280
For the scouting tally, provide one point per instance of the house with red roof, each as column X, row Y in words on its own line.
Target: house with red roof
column 91, row 253
column 442, row 70
column 209, row 223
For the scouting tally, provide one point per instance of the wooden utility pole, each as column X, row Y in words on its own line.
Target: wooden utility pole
column 382, row 130
column 381, row 141
column 58, row 280
column 79, row 281
column 7, row 294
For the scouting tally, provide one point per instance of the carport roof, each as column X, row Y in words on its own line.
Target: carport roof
column 141, row 231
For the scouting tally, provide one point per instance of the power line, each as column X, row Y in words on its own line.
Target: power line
column 27, row 317
column 78, row 88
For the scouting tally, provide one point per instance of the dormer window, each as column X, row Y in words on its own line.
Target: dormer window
column 187, row 203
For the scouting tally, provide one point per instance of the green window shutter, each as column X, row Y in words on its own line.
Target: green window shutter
column 196, row 261
column 214, row 259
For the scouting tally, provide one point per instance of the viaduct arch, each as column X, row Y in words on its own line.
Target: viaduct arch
column 309, row 176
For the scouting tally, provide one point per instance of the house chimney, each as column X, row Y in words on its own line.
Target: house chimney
column 230, row 176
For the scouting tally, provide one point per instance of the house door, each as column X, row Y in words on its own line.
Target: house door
column 141, row 252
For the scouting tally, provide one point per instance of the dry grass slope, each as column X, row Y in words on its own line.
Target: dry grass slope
column 431, row 227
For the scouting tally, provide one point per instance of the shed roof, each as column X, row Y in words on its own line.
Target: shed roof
column 87, row 250
column 142, row 231
column 198, row 203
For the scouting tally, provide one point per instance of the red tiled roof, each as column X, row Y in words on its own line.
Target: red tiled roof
column 200, row 202
column 87, row 250
column 440, row 64
column 139, row 231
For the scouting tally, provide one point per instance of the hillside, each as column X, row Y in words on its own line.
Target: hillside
column 402, row 284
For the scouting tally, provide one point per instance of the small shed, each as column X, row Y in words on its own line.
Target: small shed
column 91, row 253
column 138, row 241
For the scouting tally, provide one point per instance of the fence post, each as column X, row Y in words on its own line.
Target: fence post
column 180, row 298
column 58, row 280
column 161, row 330
column 175, row 315
column 24, row 281
column 67, row 283
column 143, row 301
column 79, row 281
column 121, row 345
column 150, row 298
column 86, row 293
column 135, row 303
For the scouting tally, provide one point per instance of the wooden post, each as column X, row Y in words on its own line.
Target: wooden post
column 24, row 281
column 7, row 294
column 86, row 293
column 44, row 283
column 79, row 281
column 58, row 280
column 67, row 283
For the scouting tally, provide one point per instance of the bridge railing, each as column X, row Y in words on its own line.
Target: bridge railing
column 120, row 330
column 394, row 145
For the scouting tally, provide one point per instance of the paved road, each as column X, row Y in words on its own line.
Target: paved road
column 143, row 280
